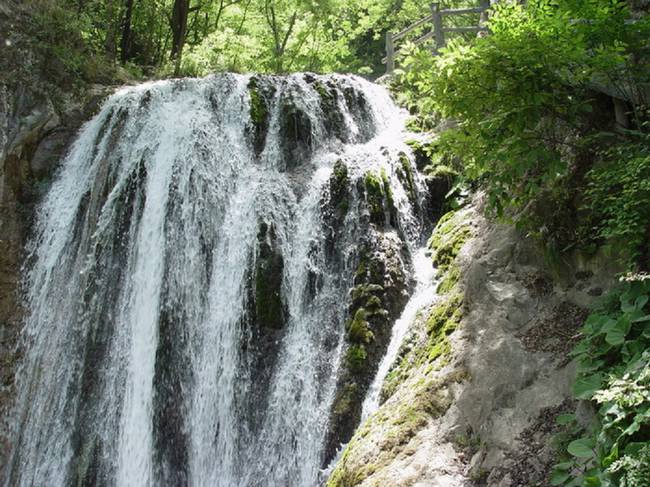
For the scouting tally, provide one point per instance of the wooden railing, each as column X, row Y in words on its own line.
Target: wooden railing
column 437, row 32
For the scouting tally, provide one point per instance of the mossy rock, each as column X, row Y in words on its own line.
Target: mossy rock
column 333, row 118
column 261, row 96
column 449, row 279
column 422, row 150
column 359, row 329
column 406, row 177
column 296, row 131
column 270, row 310
column 388, row 432
column 339, row 193
column 433, row 349
column 376, row 299
column 447, row 239
column 442, row 321
column 366, row 295
column 355, row 358
column 370, row 269
column 379, row 198
column 345, row 400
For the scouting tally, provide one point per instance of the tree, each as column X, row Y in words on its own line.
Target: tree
column 126, row 42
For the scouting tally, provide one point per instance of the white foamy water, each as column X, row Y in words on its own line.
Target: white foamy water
column 148, row 359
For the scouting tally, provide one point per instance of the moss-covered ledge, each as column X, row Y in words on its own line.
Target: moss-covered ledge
column 420, row 386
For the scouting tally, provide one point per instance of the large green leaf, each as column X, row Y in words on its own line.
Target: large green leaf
column 582, row 448
column 617, row 333
column 585, row 387
column 564, row 419
column 559, row 477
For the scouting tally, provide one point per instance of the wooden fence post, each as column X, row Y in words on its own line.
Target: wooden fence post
column 390, row 53
column 438, row 33
column 484, row 15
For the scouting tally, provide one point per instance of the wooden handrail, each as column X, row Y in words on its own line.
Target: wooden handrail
column 416, row 42
column 429, row 18
column 412, row 27
column 437, row 31
column 464, row 29
column 459, row 11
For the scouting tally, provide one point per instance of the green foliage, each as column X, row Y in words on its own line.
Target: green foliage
column 359, row 329
column 62, row 38
column 356, row 357
column 618, row 195
column 614, row 372
column 528, row 116
column 89, row 38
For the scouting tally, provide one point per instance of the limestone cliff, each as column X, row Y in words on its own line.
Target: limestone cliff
column 483, row 373
column 37, row 123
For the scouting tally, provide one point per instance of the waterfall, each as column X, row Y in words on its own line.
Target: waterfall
column 189, row 278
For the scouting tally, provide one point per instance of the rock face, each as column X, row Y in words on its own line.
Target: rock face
column 34, row 134
column 379, row 293
column 482, row 375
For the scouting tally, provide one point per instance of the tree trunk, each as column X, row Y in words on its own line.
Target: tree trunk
column 178, row 23
column 126, row 42
column 110, row 43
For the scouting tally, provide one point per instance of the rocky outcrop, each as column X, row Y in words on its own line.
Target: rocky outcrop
column 35, row 130
column 483, row 373
column 380, row 291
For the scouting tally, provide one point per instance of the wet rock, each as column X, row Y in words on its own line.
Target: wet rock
column 270, row 309
column 261, row 96
column 296, row 132
column 378, row 297
column 378, row 198
column 34, row 136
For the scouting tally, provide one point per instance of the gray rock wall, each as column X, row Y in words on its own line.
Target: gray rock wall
column 34, row 136
column 475, row 402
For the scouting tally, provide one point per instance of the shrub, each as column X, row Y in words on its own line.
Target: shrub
column 614, row 372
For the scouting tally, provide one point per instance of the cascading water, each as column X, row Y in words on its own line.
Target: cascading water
column 187, row 290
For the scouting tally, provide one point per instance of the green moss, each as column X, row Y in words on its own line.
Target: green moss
column 356, row 357
column 405, row 175
column 339, row 182
column 359, row 329
column 387, row 189
column 258, row 108
column 442, row 321
column 389, row 431
column 362, row 292
column 373, row 304
column 379, row 197
column 447, row 239
column 375, row 196
column 449, row 279
column 434, row 349
column 369, row 270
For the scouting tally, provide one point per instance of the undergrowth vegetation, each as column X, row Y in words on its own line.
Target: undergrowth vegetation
column 614, row 372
